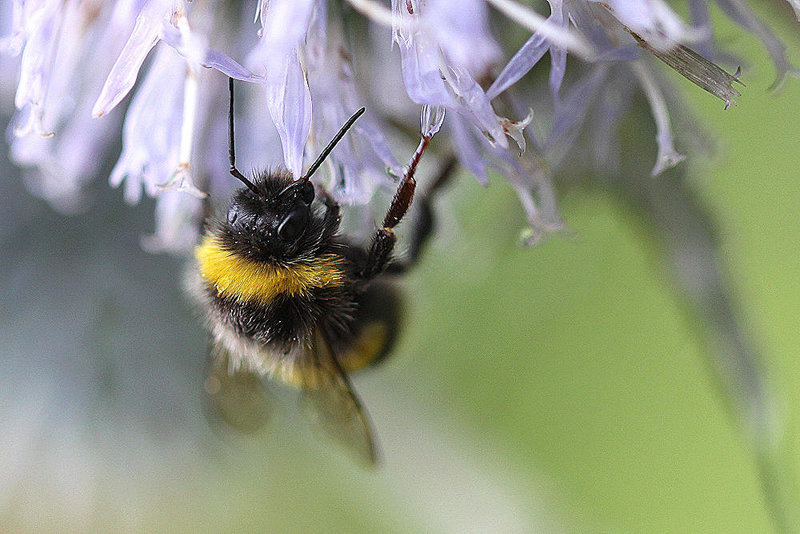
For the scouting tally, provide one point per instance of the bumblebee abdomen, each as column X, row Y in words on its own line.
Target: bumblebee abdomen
column 286, row 321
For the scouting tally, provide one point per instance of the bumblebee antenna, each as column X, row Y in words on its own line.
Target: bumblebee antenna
column 231, row 147
column 336, row 138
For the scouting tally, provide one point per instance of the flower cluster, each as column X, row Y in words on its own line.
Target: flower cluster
column 313, row 63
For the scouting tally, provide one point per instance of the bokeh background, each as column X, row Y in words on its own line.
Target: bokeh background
column 560, row 388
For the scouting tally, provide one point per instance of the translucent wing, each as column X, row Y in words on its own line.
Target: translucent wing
column 238, row 398
column 332, row 403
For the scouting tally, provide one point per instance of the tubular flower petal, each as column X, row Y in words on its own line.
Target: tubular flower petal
column 309, row 64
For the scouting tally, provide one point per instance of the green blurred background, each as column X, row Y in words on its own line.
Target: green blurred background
column 560, row 388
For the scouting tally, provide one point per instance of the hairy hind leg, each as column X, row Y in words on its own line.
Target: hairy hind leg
column 379, row 254
column 425, row 219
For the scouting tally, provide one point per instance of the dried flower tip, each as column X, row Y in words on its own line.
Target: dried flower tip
column 530, row 236
column 33, row 122
column 431, row 119
column 181, row 180
column 513, row 129
column 697, row 69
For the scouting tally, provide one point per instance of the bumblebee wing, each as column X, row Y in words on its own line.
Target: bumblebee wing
column 236, row 397
column 332, row 403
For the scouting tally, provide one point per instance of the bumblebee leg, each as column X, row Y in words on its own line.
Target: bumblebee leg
column 380, row 251
column 425, row 218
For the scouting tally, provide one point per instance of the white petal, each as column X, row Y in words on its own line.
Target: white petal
column 461, row 30
column 42, row 24
column 656, row 22
column 667, row 155
column 152, row 130
column 420, row 59
column 177, row 223
column 535, row 22
column 125, row 71
column 289, row 103
column 518, row 66
column 796, row 6
column 431, row 119
column 285, row 26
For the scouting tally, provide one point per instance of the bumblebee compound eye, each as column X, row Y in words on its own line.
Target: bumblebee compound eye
column 294, row 223
column 307, row 192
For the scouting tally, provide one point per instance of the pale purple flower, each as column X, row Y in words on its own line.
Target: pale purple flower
column 276, row 57
column 142, row 83
column 359, row 163
column 151, row 141
column 51, row 98
column 462, row 31
column 146, row 33
column 304, row 72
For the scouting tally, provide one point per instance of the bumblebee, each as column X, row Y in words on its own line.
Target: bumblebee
column 285, row 296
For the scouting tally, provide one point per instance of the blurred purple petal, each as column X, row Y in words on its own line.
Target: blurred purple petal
column 558, row 54
column 701, row 19
column 462, row 31
column 14, row 41
column 467, row 149
column 743, row 15
column 589, row 19
column 534, row 190
column 360, row 161
column 614, row 102
column 667, row 155
column 152, row 129
column 289, row 103
column 229, row 67
column 571, row 113
column 125, row 71
column 369, row 131
column 518, row 66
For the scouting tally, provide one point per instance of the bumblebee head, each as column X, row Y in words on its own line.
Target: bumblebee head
column 274, row 221
column 271, row 219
